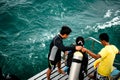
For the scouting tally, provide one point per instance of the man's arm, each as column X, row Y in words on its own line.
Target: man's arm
column 96, row 56
column 60, row 45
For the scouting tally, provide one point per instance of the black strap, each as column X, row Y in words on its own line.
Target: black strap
column 77, row 61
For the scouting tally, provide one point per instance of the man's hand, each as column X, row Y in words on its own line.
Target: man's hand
column 119, row 52
column 66, row 52
column 84, row 49
column 78, row 47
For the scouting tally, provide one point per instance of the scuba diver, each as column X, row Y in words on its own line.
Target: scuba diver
column 84, row 63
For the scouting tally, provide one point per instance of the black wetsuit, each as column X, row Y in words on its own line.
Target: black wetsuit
column 54, row 55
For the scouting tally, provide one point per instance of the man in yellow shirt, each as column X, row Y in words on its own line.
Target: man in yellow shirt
column 106, row 56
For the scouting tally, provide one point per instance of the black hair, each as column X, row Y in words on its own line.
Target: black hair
column 80, row 41
column 65, row 30
column 104, row 36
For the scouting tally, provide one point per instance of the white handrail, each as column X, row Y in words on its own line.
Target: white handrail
column 91, row 38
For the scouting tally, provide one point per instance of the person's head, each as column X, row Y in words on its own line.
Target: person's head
column 104, row 38
column 80, row 41
column 65, row 31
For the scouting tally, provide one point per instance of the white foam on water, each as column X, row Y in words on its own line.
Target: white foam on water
column 117, row 13
column 108, row 14
column 113, row 22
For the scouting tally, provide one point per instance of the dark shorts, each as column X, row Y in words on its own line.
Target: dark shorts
column 52, row 64
column 100, row 77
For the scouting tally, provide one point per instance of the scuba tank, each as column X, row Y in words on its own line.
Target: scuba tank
column 75, row 66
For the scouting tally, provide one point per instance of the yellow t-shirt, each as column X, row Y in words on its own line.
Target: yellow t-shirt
column 108, row 54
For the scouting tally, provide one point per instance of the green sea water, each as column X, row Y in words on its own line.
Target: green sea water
column 28, row 26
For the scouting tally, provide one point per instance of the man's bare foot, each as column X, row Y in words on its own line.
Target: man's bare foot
column 61, row 71
column 91, row 76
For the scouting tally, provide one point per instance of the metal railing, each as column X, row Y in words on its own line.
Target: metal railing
column 93, row 42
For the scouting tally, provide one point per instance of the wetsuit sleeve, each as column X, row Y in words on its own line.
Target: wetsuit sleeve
column 60, row 46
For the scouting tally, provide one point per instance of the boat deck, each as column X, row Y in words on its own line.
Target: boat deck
column 56, row 76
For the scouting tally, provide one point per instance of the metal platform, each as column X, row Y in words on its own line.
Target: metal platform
column 56, row 76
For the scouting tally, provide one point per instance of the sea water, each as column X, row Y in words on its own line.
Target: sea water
column 28, row 26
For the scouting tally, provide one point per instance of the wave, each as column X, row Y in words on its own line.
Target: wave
column 113, row 22
column 112, row 19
